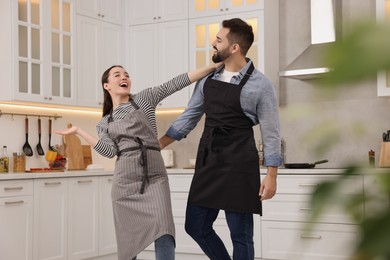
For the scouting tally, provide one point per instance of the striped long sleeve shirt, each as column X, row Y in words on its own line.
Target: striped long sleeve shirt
column 147, row 100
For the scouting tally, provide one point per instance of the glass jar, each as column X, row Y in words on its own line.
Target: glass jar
column 19, row 160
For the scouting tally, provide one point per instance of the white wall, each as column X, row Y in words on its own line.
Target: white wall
column 348, row 122
column 12, row 132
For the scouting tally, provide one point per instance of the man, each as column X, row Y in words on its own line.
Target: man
column 227, row 175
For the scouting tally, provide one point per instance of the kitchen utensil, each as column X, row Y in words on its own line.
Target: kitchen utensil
column 51, row 148
column 74, row 151
column 303, row 165
column 26, row 147
column 39, row 146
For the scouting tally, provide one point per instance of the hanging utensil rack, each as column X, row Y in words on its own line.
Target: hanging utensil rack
column 55, row 116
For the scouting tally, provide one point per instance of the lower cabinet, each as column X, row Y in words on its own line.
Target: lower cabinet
column 16, row 219
column 83, row 217
column 283, row 230
column 50, row 218
column 107, row 238
column 58, row 218
column 290, row 240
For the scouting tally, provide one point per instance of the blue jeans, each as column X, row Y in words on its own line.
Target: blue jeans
column 199, row 225
column 164, row 247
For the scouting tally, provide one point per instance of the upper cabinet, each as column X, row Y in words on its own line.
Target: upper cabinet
column 99, row 46
column 41, row 54
column 203, row 8
column 383, row 14
column 159, row 52
column 153, row 11
column 106, row 10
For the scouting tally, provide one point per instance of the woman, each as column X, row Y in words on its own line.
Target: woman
column 140, row 190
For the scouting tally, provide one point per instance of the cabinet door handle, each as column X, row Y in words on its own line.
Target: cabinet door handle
column 14, row 202
column 53, row 183
column 109, row 180
column 12, row 188
column 305, row 209
column 85, row 181
column 311, row 237
column 308, row 184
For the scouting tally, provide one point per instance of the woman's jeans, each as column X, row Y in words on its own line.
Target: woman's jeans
column 164, row 247
column 199, row 225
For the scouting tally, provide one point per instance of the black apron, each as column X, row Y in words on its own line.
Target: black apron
column 227, row 174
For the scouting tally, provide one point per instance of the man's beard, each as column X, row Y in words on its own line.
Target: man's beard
column 220, row 56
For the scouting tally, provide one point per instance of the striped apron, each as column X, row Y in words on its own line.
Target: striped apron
column 140, row 191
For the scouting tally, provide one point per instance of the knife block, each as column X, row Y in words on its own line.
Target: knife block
column 384, row 159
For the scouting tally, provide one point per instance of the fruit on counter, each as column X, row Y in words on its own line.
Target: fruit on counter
column 51, row 156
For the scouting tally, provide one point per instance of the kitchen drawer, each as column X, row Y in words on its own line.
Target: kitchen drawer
column 305, row 184
column 288, row 240
column 180, row 183
column 286, row 207
column 16, row 188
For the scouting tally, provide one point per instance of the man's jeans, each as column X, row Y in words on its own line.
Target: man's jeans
column 199, row 225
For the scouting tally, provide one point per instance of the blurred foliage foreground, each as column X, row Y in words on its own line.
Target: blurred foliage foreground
column 361, row 53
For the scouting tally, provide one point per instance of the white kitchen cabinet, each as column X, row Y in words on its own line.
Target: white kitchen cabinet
column 289, row 240
column 99, row 46
column 83, row 202
column 383, row 79
column 107, row 238
column 204, row 8
column 105, row 10
column 159, row 52
column 41, row 56
column 50, row 219
column 152, row 11
column 284, row 218
column 16, row 215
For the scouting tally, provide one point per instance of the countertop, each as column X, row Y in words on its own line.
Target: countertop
column 172, row 171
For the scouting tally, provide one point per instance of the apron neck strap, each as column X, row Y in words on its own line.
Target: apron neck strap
column 246, row 76
column 134, row 104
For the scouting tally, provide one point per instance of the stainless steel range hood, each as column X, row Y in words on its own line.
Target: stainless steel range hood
column 325, row 17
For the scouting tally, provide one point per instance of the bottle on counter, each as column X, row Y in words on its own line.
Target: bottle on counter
column 371, row 158
column 283, row 150
column 4, row 160
column 261, row 153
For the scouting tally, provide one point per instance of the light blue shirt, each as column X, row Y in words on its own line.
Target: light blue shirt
column 259, row 103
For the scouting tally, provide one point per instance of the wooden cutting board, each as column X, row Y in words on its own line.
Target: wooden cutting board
column 87, row 155
column 74, row 152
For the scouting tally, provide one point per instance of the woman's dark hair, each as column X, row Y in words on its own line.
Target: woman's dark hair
column 239, row 32
column 107, row 103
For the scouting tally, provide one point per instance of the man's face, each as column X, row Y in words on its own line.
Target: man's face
column 221, row 46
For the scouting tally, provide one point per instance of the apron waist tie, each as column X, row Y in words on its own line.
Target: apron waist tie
column 143, row 160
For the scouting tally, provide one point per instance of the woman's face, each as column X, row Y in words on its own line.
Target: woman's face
column 118, row 82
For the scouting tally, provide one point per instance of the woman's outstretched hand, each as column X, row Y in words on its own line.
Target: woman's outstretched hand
column 67, row 131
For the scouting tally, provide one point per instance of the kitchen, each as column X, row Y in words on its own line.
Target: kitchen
column 356, row 114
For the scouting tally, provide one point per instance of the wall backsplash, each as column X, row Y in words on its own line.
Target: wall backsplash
column 12, row 134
